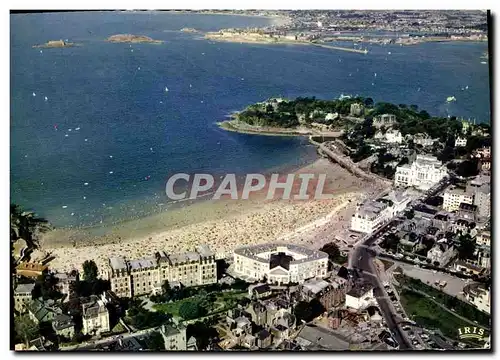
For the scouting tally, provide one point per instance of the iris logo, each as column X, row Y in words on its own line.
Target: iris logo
column 472, row 332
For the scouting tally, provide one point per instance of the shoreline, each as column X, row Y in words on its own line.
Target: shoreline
column 222, row 224
column 243, row 128
column 277, row 20
column 246, row 39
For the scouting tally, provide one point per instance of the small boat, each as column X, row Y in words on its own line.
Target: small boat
column 467, row 87
column 418, row 89
column 166, row 89
column 483, row 62
column 34, row 94
column 389, row 53
column 375, row 74
column 46, row 98
column 450, row 99
column 76, row 129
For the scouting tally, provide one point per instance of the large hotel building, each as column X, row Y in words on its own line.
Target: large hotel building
column 130, row 278
column 279, row 263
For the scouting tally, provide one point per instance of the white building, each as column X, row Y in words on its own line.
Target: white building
column 386, row 120
column 390, row 137
column 423, row 140
column 482, row 199
column 374, row 213
column 369, row 216
column 484, row 238
column 441, row 253
column 393, row 136
column 356, row 109
column 174, row 337
column 360, row 297
column 423, row 173
column 279, row 263
column 453, row 197
column 95, row 318
column 478, row 295
column 459, row 141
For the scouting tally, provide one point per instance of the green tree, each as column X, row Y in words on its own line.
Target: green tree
column 466, row 247
column 192, row 309
column 156, row 342
column 334, row 255
column 368, row 102
column 410, row 214
column 25, row 225
column 46, row 287
column 26, row 329
column 90, row 271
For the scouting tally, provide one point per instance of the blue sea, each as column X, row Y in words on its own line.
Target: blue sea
column 100, row 148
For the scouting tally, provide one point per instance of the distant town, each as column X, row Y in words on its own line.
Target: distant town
column 410, row 273
column 371, row 26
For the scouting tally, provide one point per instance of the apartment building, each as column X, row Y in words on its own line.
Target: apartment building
column 453, row 197
column 373, row 213
column 143, row 276
column 423, row 173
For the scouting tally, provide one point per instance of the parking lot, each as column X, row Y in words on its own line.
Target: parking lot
column 453, row 286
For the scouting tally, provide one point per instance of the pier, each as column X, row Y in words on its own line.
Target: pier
column 348, row 164
column 340, row 48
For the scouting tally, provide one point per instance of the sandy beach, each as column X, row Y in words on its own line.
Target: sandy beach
column 223, row 225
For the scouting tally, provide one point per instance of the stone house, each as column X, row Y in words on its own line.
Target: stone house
column 174, row 337
column 22, row 296
column 441, row 253
column 64, row 326
column 95, row 317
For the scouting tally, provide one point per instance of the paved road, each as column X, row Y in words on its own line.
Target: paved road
column 364, row 261
column 362, row 258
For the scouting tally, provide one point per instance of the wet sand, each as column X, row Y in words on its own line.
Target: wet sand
column 223, row 224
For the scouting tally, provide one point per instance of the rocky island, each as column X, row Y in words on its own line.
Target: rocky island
column 129, row 38
column 55, row 44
